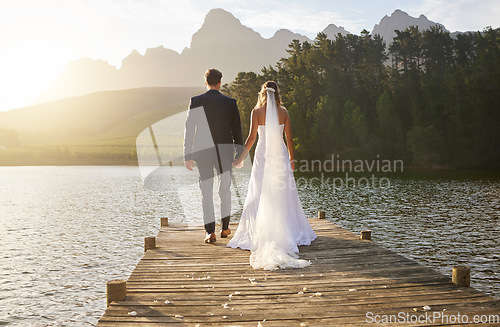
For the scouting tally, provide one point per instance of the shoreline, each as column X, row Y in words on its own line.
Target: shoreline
column 411, row 169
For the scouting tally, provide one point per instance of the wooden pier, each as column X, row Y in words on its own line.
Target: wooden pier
column 351, row 282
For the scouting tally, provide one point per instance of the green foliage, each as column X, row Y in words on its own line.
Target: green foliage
column 245, row 89
column 426, row 146
column 437, row 104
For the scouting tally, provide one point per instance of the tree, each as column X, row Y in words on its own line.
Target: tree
column 437, row 103
column 425, row 145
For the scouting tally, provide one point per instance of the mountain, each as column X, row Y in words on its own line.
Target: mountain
column 400, row 20
column 333, row 30
column 81, row 77
column 107, row 115
column 222, row 42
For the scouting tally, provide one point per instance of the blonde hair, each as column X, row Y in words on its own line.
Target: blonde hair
column 262, row 100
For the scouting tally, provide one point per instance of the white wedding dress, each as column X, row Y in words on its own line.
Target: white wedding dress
column 273, row 223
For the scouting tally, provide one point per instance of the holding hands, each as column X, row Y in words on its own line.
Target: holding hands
column 238, row 162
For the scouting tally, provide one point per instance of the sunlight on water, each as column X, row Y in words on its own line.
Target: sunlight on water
column 66, row 231
column 439, row 219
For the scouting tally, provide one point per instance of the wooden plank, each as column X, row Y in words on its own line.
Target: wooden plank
column 213, row 285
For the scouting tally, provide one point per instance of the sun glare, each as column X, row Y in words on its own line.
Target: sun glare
column 26, row 69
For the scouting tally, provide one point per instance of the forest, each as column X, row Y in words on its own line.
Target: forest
column 428, row 98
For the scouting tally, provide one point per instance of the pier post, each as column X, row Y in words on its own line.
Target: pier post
column 321, row 214
column 116, row 290
column 366, row 235
column 149, row 243
column 164, row 222
column 460, row 276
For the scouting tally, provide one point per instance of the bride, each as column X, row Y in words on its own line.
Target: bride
column 273, row 223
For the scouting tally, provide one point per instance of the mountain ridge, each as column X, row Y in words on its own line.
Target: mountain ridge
column 95, row 115
column 400, row 20
column 222, row 41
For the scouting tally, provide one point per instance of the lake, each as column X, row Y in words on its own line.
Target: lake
column 66, row 231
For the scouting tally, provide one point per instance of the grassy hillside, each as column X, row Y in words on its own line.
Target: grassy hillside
column 98, row 128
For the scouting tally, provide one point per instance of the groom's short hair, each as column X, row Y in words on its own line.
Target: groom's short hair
column 213, row 76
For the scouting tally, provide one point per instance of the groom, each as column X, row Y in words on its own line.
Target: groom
column 212, row 130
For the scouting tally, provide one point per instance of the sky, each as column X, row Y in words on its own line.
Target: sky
column 38, row 38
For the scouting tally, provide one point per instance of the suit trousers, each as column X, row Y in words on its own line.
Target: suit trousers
column 209, row 169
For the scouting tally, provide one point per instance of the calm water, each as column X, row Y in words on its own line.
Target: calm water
column 66, row 231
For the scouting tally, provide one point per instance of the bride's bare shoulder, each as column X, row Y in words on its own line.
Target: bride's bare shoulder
column 259, row 110
column 283, row 111
column 259, row 113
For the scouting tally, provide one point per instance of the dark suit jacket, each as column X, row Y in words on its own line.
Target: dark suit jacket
column 224, row 125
